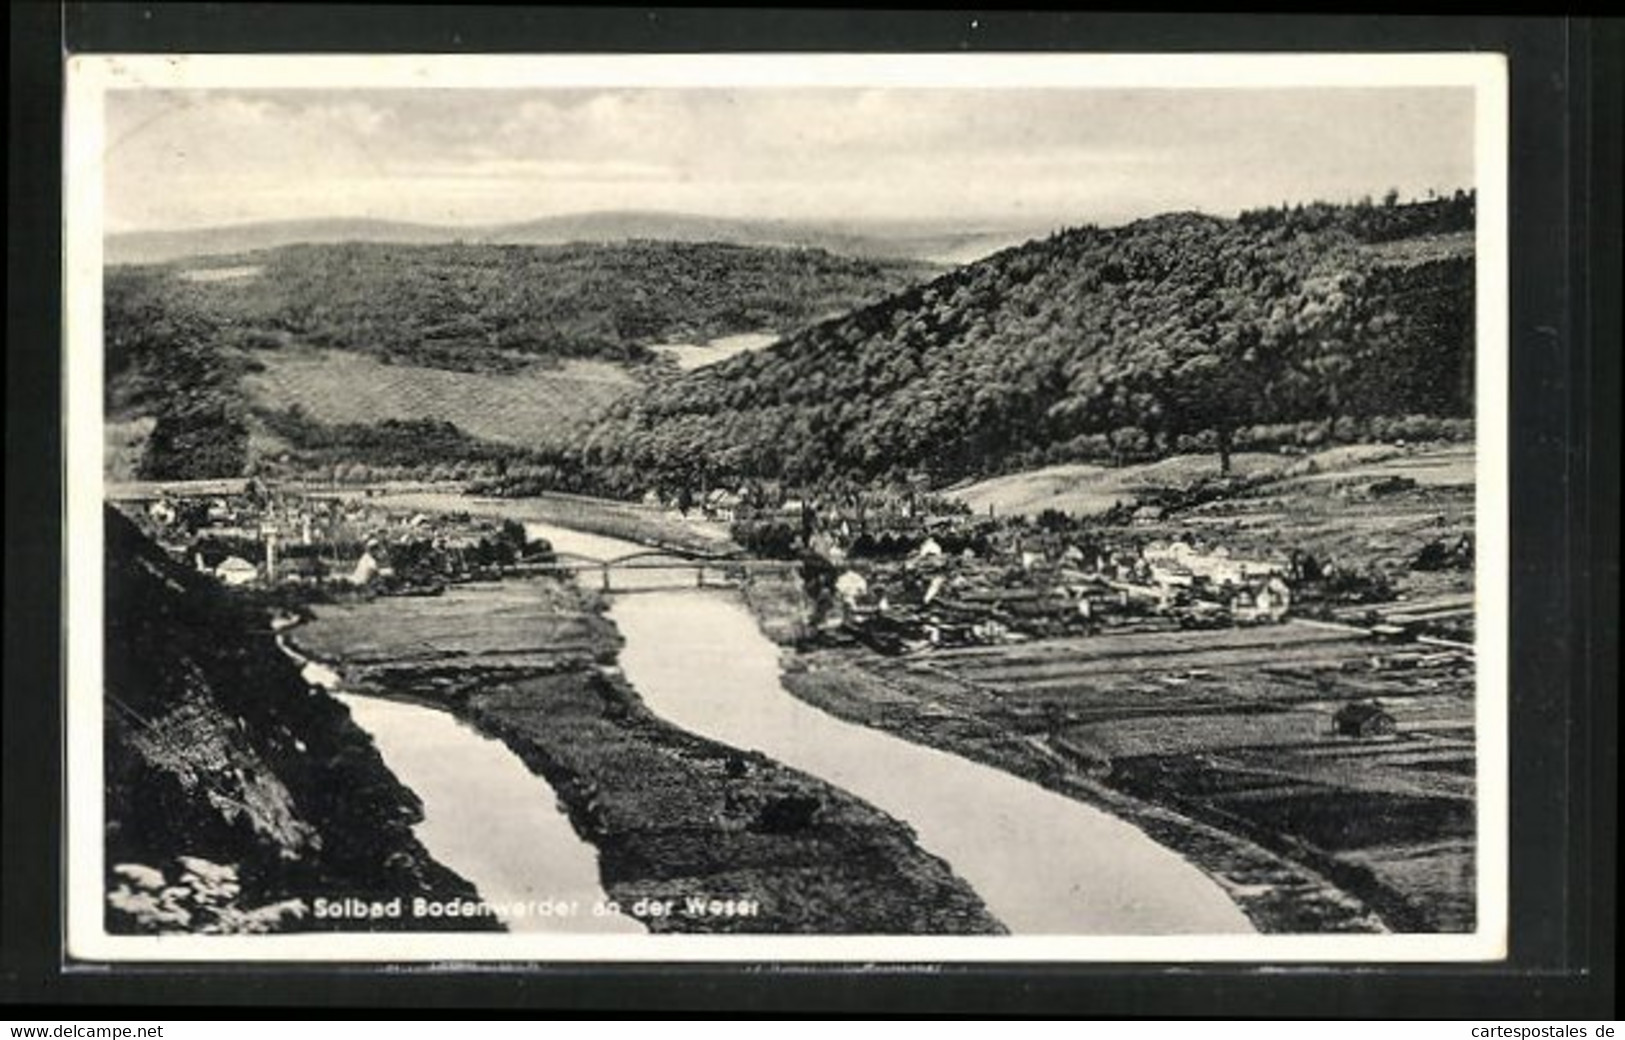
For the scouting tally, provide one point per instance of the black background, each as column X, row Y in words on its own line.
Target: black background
column 1566, row 405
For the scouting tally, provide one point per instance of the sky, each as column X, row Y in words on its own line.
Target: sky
column 1017, row 157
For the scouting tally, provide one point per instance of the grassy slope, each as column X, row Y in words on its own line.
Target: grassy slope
column 1085, row 490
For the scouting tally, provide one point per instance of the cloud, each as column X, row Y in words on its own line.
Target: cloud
column 186, row 158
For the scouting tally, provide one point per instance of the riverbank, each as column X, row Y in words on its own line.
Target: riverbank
column 927, row 707
column 1277, row 895
column 716, row 839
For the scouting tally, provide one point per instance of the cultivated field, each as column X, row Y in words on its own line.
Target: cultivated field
column 534, row 406
column 1233, row 731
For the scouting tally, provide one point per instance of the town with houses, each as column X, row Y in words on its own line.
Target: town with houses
column 244, row 532
column 896, row 573
column 904, row 577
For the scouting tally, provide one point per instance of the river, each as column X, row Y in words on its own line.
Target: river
column 485, row 815
column 1042, row 862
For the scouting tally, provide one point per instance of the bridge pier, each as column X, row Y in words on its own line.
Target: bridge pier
column 605, row 570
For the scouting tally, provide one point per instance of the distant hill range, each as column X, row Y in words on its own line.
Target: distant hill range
column 937, row 242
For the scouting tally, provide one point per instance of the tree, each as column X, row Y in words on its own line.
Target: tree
column 1214, row 387
column 196, row 441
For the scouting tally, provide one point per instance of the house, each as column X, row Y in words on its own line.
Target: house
column 722, row 504
column 991, row 630
column 234, row 570
column 1262, row 601
column 851, row 586
column 934, row 589
column 930, row 549
column 1179, row 563
column 1364, row 719
column 949, row 633
column 366, row 568
column 827, row 547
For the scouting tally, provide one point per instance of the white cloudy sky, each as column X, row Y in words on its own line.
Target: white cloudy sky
column 191, row 158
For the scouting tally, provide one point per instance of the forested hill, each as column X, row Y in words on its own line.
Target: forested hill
column 470, row 306
column 1181, row 332
column 217, row 352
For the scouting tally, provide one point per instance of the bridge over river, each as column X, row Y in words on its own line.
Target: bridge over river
column 657, row 569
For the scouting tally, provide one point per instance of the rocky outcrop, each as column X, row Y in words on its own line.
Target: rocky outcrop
column 237, row 795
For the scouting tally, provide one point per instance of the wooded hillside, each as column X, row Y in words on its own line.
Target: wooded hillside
column 1180, row 332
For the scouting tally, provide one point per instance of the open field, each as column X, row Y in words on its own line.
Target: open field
column 1448, row 465
column 1087, row 490
column 1422, row 249
column 535, row 406
column 1229, row 736
column 697, row 355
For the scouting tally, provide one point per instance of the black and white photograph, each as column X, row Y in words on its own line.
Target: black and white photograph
column 799, row 507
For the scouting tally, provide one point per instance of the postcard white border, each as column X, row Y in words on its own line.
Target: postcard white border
column 90, row 77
